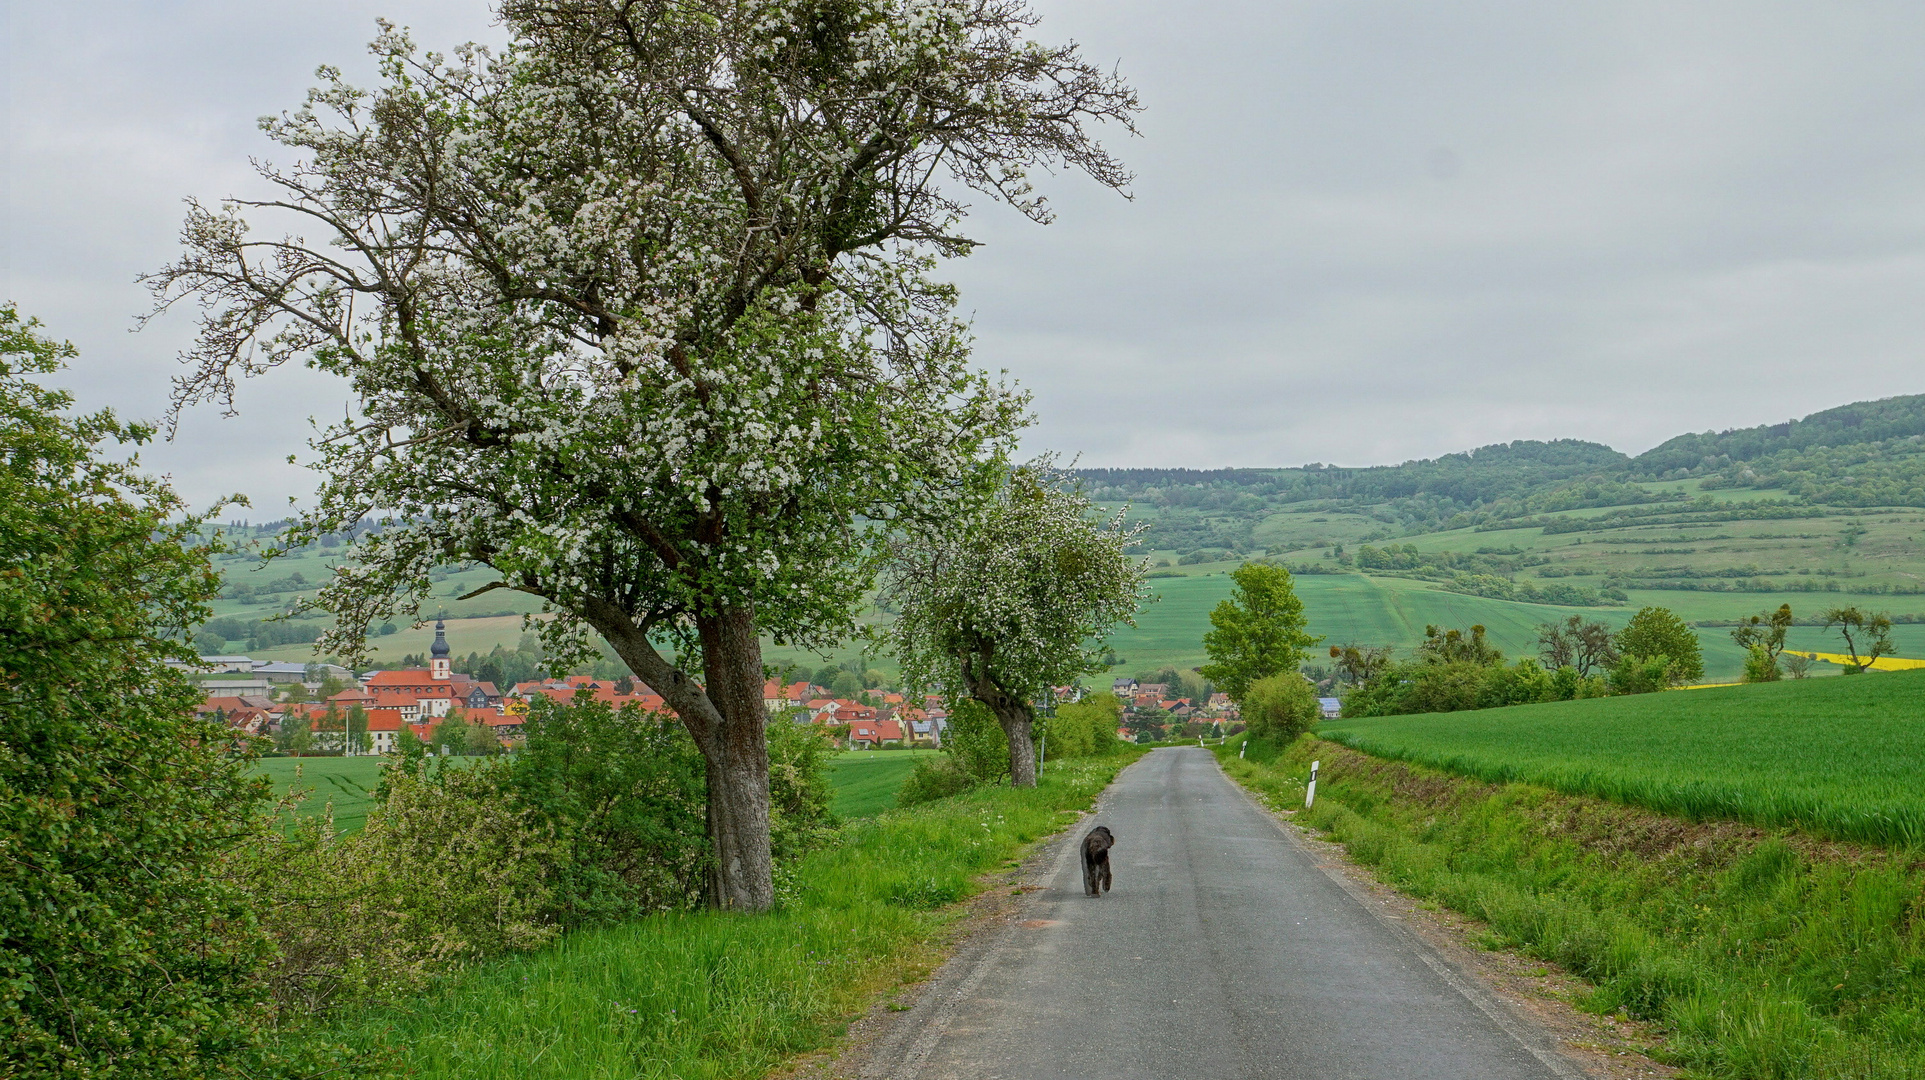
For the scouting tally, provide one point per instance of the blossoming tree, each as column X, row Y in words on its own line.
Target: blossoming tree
column 1009, row 601
column 639, row 313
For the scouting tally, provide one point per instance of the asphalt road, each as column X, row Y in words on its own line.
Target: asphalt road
column 1222, row 952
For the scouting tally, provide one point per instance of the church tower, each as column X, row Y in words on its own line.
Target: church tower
column 438, row 656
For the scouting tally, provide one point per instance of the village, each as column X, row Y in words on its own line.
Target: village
column 323, row 709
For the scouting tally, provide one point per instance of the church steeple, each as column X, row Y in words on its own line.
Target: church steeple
column 438, row 655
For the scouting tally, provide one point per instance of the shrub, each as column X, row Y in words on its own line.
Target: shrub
column 1281, row 707
column 123, row 952
column 449, row 868
column 975, row 741
column 933, row 778
column 1523, row 684
column 1643, row 674
column 1086, row 727
column 1760, row 665
column 625, row 793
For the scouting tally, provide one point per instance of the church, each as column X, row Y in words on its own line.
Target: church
column 430, row 693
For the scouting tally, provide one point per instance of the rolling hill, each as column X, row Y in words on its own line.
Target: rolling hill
column 1715, row 525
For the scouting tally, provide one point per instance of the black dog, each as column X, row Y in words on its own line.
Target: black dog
column 1096, row 860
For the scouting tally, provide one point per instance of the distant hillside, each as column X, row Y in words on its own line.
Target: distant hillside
column 1866, row 454
column 1848, row 425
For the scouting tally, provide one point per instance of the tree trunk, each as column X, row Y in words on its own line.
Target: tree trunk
column 1015, row 718
column 729, row 724
column 742, row 877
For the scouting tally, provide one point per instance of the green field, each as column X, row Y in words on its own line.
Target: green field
column 865, row 782
column 340, row 783
column 1841, row 757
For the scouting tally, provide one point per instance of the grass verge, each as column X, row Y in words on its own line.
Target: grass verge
column 717, row 995
column 1762, row 955
column 1841, row 757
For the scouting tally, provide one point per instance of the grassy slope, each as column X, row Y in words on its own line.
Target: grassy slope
column 1375, row 610
column 1759, row 957
column 1843, row 757
column 715, row 995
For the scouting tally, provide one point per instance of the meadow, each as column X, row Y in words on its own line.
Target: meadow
column 707, row 994
column 866, row 781
column 1840, row 757
column 1854, row 549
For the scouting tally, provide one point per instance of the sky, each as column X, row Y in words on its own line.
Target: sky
column 1360, row 232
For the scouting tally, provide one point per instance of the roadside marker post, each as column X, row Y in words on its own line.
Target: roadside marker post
column 1245, row 745
column 1310, row 789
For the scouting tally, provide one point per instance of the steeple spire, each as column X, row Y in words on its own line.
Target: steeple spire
column 438, row 655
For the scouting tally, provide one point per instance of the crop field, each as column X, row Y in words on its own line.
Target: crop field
column 1839, row 757
column 341, row 782
column 866, row 781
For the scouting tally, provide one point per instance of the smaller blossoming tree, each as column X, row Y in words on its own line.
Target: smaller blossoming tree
column 1012, row 599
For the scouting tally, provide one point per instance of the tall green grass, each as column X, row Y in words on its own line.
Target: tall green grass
column 1760, row 957
column 715, row 995
column 1840, row 757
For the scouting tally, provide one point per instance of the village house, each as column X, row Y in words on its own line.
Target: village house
column 873, row 733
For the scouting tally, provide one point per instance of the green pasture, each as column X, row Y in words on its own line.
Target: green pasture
column 1839, row 757
column 866, row 781
column 344, row 785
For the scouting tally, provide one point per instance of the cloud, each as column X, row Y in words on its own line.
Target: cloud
column 1361, row 232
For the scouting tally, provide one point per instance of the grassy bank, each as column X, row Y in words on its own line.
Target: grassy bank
column 1765, row 955
column 1841, row 757
column 713, row 995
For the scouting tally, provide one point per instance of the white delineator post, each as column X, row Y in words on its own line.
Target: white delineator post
column 1310, row 789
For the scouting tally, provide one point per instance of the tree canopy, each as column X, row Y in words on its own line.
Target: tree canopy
column 1257, row 633
column 1012, row 599
column 1655, row 633
column 640, row 313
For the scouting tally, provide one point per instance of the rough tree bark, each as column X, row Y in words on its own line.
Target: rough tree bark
column 1012, row 712
column 729, row 724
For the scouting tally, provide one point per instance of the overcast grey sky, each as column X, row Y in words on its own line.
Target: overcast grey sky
column 1362, row 232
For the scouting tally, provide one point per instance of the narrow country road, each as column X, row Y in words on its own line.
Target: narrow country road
column 1223, row 952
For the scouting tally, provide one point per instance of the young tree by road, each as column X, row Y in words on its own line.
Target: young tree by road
column 1011, row 599
column 640, row 313
column 1258, row 632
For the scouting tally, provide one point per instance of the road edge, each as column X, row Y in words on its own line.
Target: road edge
column 898, row 1031
column 1568, row 1058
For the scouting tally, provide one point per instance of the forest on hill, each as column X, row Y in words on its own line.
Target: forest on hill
column 1864, row 454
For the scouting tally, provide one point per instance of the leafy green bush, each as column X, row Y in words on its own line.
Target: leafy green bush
column 976, row 742
column 933, row 778
column 624, row 792
column 1281, row 707
column 1760, row 665
column 447, row 870
column 1656, row 632
column 1085, row 727
column 123, row 952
